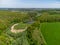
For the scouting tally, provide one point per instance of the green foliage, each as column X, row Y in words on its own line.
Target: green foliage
column 33, row 34
column 5, row 40
column 2, row 26
column 49, row 18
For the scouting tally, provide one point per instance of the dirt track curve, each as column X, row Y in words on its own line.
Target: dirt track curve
column 17, row 31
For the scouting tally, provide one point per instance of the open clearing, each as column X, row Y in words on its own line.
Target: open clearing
column 51, row 33
column 17, row 30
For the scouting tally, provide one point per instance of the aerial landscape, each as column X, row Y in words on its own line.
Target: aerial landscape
column 24, row 22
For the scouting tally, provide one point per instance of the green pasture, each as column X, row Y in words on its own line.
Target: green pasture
column 21, row 26
column 51, row 33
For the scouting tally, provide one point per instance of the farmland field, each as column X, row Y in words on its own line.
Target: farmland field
column 51, row 32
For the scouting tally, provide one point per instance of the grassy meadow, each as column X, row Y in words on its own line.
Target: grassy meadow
column 51, row 32
column 20, row 26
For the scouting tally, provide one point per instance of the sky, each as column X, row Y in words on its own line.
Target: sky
column 29, row 3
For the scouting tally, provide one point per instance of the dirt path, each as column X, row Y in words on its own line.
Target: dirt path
column 17, row 31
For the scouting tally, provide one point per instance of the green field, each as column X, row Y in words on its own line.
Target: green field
column 20, row 26
column 51, row 33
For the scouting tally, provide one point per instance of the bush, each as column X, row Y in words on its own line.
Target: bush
column 33, row 34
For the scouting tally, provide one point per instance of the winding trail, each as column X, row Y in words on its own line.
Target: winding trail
column 17, row 31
